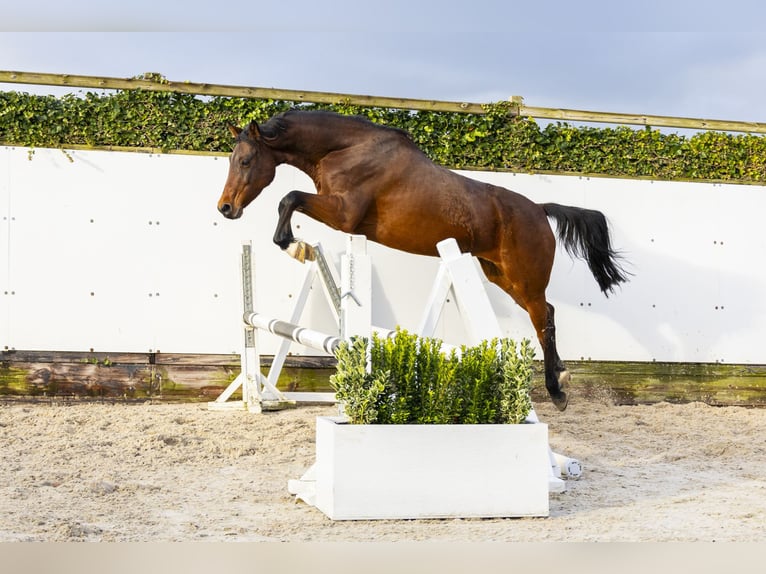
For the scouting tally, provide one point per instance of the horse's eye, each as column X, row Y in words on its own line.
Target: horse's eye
column 244, row 163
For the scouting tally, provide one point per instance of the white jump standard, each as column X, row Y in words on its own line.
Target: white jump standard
column 350, row 305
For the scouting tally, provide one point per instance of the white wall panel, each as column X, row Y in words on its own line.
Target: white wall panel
column 697, row 293
column 126, row 252
column 5, row 223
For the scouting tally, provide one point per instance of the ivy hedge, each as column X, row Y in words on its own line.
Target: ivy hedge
column 496, row 140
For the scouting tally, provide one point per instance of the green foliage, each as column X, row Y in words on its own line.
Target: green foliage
column 515, row 402
column 357, row 389
column 496, row 140
column 130, row 118
column 411, row 381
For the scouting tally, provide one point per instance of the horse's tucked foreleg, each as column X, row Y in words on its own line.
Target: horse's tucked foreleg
column 283, row 234
column 331, row 210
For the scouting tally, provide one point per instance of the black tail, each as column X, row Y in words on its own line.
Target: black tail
column 585, row 234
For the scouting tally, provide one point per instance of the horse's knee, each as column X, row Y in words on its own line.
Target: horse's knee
column 289, row 201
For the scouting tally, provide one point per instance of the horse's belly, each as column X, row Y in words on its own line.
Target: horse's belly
column 419, row 238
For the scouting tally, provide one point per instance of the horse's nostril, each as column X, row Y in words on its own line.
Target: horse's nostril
column 225, row 208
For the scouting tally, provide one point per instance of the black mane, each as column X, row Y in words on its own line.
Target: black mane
column 278, row 125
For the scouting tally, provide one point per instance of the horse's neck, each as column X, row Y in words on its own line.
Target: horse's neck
column 308, row 145
column 298, row 158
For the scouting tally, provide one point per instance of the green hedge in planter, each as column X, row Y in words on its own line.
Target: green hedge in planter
column 411, row 381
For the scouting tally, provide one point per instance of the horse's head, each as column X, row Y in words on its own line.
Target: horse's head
column 251, row 168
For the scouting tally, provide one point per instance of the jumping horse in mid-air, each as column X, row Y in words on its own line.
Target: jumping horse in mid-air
column 374, row 181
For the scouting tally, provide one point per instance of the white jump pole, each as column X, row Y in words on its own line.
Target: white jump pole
column 295, row 333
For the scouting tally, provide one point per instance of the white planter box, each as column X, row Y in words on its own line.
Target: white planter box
column 430, row 471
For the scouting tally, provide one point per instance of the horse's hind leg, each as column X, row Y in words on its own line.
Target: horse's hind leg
column 542, row 316
column 562, row 374
column 556, row 375
column 554, row 368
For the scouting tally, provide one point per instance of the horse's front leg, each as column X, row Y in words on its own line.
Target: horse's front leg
column 283, row 234
column 332, row 210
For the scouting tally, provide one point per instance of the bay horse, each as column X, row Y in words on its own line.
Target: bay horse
column 373, row 180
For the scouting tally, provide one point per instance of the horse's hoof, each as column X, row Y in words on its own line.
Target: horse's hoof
column 284, row 241
column 561, row 401
column 301, row 251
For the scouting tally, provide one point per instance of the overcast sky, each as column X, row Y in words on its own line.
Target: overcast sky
column 684, row 58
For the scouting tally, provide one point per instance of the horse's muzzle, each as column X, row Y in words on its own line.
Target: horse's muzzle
column 229, row 211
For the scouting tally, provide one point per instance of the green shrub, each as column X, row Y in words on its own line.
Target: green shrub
column 411, row 381
column 495, row 140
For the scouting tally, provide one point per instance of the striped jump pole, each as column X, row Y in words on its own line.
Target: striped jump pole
column 302, row 335
column 308, row 337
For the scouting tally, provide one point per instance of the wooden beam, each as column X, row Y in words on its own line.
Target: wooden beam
column 194, row 377
column 642, row 120
column 76, row 81
column 161, row 376
column 628, row 383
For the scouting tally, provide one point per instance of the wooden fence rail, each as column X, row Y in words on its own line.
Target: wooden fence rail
column 75, row 81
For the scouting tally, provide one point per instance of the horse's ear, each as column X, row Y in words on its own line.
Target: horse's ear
column 235, row 131
column 253, row 131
